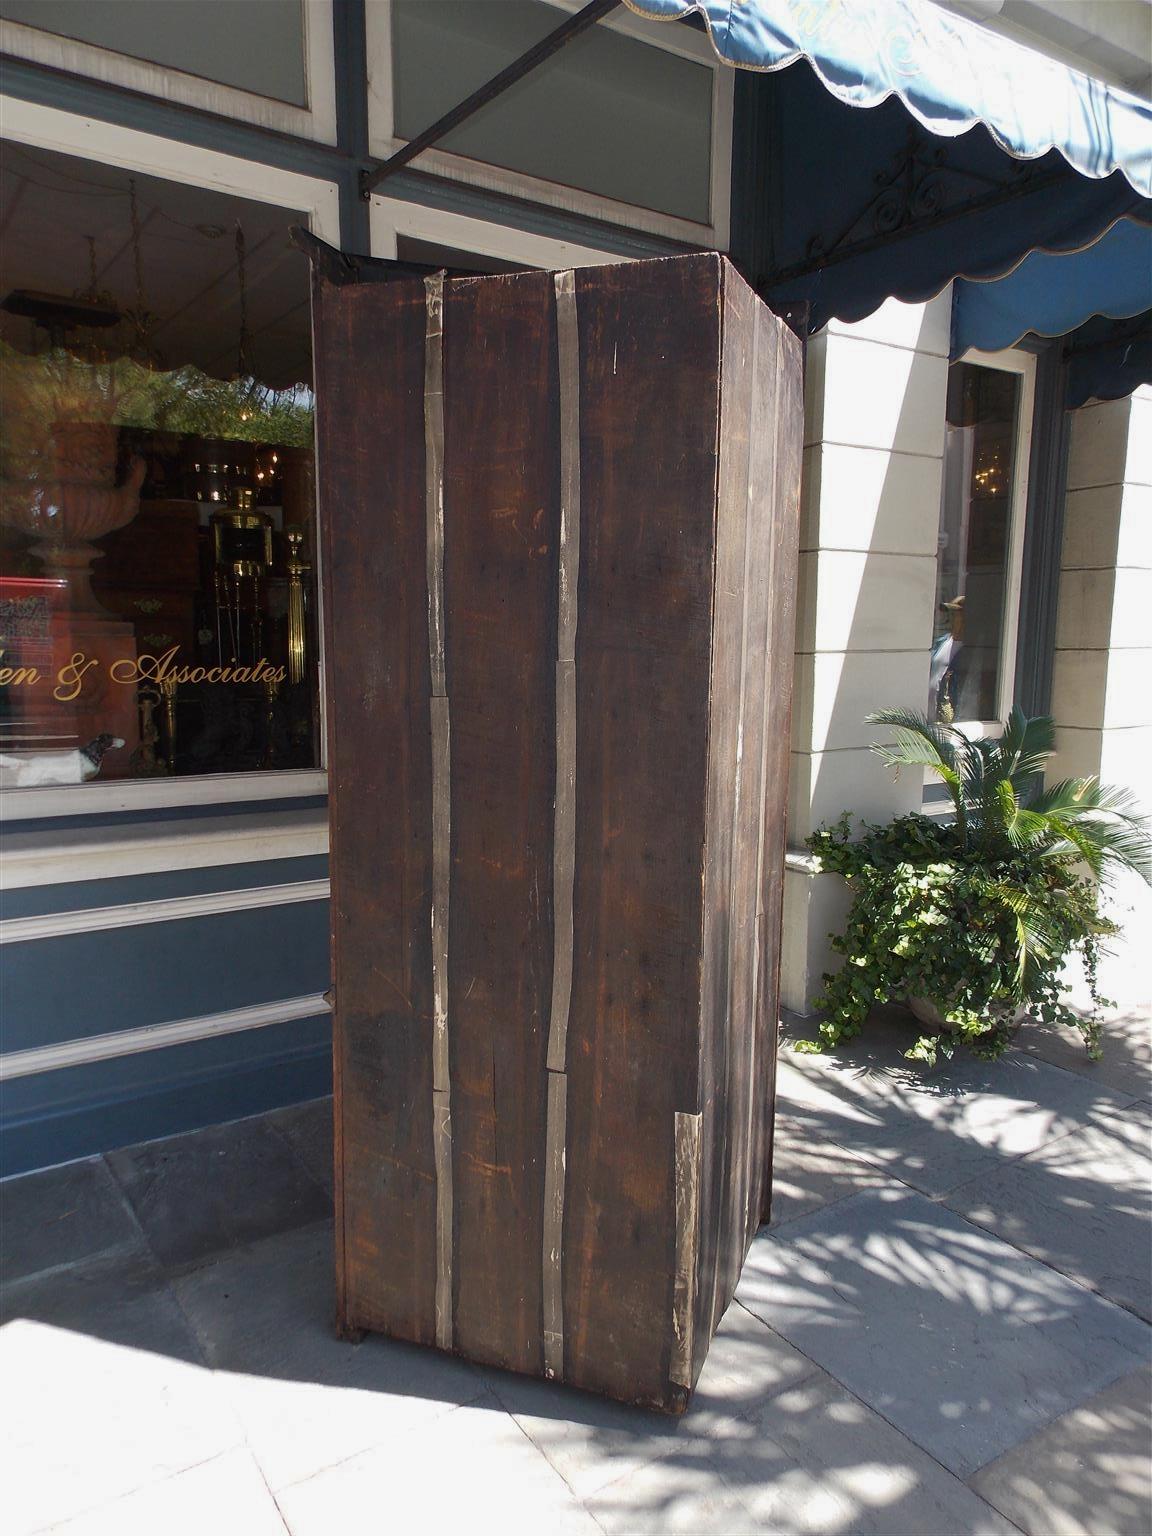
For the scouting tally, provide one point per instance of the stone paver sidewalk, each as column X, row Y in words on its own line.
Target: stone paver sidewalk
column 945, row 1330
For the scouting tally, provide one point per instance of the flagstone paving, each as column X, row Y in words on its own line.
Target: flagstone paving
column 944, row 1332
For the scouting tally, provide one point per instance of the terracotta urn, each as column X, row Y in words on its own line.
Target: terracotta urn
column 75, row 503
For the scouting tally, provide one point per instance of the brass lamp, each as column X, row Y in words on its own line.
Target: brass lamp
column 242, row 558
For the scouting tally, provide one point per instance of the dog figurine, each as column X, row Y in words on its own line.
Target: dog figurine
column 34, row 770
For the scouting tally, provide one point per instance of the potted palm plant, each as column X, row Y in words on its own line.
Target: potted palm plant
column 971, row 919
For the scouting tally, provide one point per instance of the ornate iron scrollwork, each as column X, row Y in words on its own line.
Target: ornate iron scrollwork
column 920, row 187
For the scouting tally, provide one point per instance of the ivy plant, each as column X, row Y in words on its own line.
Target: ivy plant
column 977, row 915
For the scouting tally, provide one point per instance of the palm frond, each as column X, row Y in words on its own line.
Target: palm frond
column 1066, row 795
column 1039, row 935
column 1025, row 745
column 920, row 742
column 1101, row 820
column 983, row 781
column 987, row 782
column 917, row 733
column 1121, row 844
column 1067, row 842
column 1022, row 826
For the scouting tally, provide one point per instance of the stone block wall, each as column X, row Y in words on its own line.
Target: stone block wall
column 874, row 443
column 1102, row 679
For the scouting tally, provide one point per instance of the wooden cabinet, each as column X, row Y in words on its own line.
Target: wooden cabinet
column 150, row 576
column 559, row 522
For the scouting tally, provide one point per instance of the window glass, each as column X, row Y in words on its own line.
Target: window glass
column 428, row 253
column 157, row 610
column 254, row 45
column 608, row 114
column 975, row 541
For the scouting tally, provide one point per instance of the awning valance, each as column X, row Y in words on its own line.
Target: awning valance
column 1054, row 295
column 975, row 152
column 1108, row 359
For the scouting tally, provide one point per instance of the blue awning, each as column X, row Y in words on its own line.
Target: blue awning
column 1108, row 359
column 949, row 73
column 975, row 150
column 1054, row 295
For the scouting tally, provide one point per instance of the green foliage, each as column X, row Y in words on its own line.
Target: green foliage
column 36, row 391
column 978, row 915
column 187, row 400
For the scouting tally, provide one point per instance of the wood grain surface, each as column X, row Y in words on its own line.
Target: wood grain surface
column 370, row 451
column 501, row 527
column 601, row 759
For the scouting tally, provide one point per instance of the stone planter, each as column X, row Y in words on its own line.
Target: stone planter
column 927, row 1013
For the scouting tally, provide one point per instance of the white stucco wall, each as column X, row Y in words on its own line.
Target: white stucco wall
column 1102, row 680
column 874, row 442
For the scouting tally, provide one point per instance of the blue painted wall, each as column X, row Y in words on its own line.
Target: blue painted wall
column 98, row 983
column 57, row 1116
column 76, row 896
column 77, row 986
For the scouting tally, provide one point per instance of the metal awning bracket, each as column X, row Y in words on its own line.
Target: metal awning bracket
column 570, row 28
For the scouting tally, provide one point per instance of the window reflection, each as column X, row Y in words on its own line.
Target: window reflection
column 975, row 530
column 156, row 480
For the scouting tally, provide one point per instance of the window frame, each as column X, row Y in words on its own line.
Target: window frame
column 1022, row 363
column 316, row 121
column 107, row 143
column 390, row 218
column 464, row 170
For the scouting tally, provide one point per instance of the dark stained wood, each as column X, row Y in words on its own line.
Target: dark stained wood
column 728, row 914
column 371, row 487
column 649, row 342
column 781, row 521
column 598, row 1204
column 501, row 500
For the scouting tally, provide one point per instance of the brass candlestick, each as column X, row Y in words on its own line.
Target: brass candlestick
column 298, row 568
column 242, row 556
column 168, row 693
column 146, row 757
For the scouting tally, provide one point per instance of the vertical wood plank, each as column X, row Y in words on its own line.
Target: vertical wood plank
column 501, row 527
column 371, row 497
column 723, row 949
column 442, row 1143
column 737, row 1091
column 687, row 1135
column 441, row 796
column 554, row 1174
column 434, row 475
column 563, row 864
column 787, row 436
column 567, row 611
column 564, row 824
column 441, row 725
column 764, row 484
column 649, row 362
column 755, row 487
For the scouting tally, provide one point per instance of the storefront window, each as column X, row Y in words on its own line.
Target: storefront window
column 608, row 114
column 254, row 45
column 157, row 611
column 974, row 583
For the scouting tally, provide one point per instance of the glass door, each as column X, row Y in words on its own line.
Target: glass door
column 983, row 502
